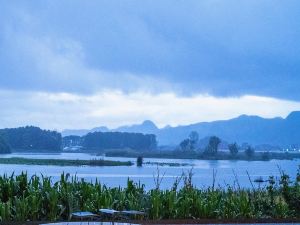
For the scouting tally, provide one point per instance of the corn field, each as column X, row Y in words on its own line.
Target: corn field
column 37, row 198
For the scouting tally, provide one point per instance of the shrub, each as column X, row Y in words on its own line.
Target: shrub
column 139, row 161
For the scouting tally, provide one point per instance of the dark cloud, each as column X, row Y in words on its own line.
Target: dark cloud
column 223, row 48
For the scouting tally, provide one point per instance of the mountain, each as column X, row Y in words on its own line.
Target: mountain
column 82, row 132
column 251, row 129
column 254, row 130
column 147, row 127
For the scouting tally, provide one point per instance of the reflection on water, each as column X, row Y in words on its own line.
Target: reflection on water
column 115, row 176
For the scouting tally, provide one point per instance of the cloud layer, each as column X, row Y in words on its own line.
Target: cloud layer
column 221, row 48
column 114, row 108
column 119, row 62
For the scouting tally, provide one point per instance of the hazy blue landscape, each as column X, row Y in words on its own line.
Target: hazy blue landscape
column 259, row 148
column 282, row 132
column 202, row 169
column 164, row 112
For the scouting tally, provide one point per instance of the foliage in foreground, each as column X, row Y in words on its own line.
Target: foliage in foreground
column 38, row 198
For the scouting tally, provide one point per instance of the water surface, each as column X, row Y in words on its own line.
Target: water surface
column 228, row 172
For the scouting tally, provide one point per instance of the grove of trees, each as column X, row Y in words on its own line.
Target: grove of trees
column 249, row 152
column 213, row 144
column 4, row 146
column 190, row 143
column 233, row 149
column 32, row 138
column 119, row 140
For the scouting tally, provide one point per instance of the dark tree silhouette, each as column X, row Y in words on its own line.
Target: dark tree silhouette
column 213, row 144
column 249, row 152
column 194, row 138
column 185, row 145
column 119, row 140
column 32, row 138
column 233, row 148
column 4, row 146
column 139, row 161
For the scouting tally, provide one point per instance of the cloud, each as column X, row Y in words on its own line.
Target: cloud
column 114, row 108
column 231, row 48
column 59, row 65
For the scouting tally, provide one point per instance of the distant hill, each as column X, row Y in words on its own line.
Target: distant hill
column 82, row 132
column 251, row 129
column 32, row 138
column 147, row 127
column 254, row 130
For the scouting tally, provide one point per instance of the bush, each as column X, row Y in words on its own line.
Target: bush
column 249, row 152
column 139, row 161
column 213, row 144
column 233, row 148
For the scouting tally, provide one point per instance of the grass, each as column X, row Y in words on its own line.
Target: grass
column 37, row 198
column 63, row 162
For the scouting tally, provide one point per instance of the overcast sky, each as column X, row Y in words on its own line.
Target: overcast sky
column 82, row 64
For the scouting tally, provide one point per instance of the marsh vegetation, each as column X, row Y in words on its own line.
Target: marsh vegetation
column 39, row 198
column 63, row 162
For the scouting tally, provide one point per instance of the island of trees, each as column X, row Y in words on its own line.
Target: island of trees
column 112, row 140
column 190, row 147
column 208, row 148
column 28, row 139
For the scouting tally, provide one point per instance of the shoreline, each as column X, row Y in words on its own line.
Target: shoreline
column 220, row 156
column 63, row 162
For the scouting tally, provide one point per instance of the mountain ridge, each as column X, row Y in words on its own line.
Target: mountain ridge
column 250, row 129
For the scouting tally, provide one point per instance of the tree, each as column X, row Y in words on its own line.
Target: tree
column 194, row 138
column 233, row 148
column 213, row 144
column 139, row 161
column 185, row 145
column 249, row 152
column 266, row 155
column 4, row 146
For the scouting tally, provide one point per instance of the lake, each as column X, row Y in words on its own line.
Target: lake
column 117, row 176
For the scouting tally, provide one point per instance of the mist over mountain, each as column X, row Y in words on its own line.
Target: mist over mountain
column 147, row 127
column 254, row 130
column 82, row 132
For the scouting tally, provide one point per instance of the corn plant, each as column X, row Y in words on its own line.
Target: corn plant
column 38, row 198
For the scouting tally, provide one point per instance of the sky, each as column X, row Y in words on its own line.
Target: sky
column 82, row 64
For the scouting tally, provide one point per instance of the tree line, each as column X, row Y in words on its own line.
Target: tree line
column 29, row 138
column 112, row 140
column 190, row 144
column 34, row 138
column 4, row 146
